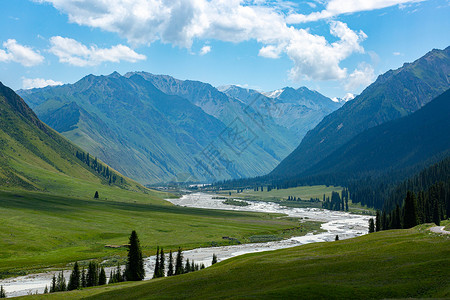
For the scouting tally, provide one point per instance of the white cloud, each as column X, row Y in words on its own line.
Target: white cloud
column 180, row 22
column 396, row 53
column 20, row 54
column 205, row 50
column 363, row 75
column 339, row 7
column 75, row 53
column 30, row 83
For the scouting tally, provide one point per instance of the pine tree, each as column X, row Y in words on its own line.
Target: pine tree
column 102, row 277
column 46, row 290
column 202, row 266
column 162, row 267
column 134, row 270
column 179, row 263
column 53, row 284
column 83, row 278
column 96, row 195
column 378, row 221
column 156, row 271
column 60, row 283
column 119, row 277
column 410, row 211
column 170, row 269
column 214, row 259
column 336, row 238
column 187, row 267
column 371, row 225
column 2, row 292
column 92, row 274
column 74, row 279
column 112, row 277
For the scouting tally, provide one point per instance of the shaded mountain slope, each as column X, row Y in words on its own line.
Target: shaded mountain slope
column 393, row 95
column 394, row 145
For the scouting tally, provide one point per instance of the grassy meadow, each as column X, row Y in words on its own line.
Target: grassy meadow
column 42, row 230
column 410, row 263
column 303, row 192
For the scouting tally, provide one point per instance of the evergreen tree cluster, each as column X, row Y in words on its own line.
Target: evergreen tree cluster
column 99, row 168
column 336, row 202
column 94, row 276
column 424, row 198
column 174, row 269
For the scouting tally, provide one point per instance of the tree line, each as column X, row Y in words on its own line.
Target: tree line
column 93, row 163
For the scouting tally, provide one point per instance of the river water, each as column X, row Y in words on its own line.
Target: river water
column 335, row 223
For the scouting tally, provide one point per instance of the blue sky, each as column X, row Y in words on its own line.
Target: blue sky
column 334, row 46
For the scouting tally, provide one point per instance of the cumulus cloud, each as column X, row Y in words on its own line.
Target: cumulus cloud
column 75, row 53
column 30, row 83
column 20, row 54
column 363, row 75
column 338, row 7
column 205, row 50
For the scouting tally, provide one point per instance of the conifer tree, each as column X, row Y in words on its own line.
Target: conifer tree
column 74, row 279
column 371, row 225
column 214, row 259
column 336, row 238
column 170, row 268
column 92, row 274
column 134, row 270
column 60, row 283
column 112, row 277
column 179, row 263
column 83, row 278
column 410, row 211
column 96, row 195
column 2, row 292
column 46, row 290
column 102, row 277
column 53, row 284
column 119, row 277
column 187, row 267
column 378, row 221
column 202, row 266
column 162, row 267
column 156, row 271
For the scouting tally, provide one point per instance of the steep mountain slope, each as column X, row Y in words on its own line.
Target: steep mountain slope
column 149, row 135
column 393, row 95
column 33, row 156
column 298, row 110
column 256, row 115
column 394, row 145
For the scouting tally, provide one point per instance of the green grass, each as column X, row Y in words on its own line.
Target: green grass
column 40, row 230
column 303, row 192
column 389, row 264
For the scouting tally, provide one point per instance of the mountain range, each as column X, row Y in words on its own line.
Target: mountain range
column 395, row 94
column 155, row 128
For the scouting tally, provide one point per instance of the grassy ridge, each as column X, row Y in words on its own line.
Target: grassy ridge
column 388, row 264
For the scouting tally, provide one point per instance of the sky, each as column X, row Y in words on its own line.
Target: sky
column 332, row 46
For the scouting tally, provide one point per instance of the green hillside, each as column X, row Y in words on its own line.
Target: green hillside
column 34, row 156
column 390, row 264
column 394, row 94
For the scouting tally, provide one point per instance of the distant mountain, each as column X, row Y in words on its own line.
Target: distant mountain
column 298, row 110
column 153, row 134
column 35, row 157
column 393, row 95
column 394, row 145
